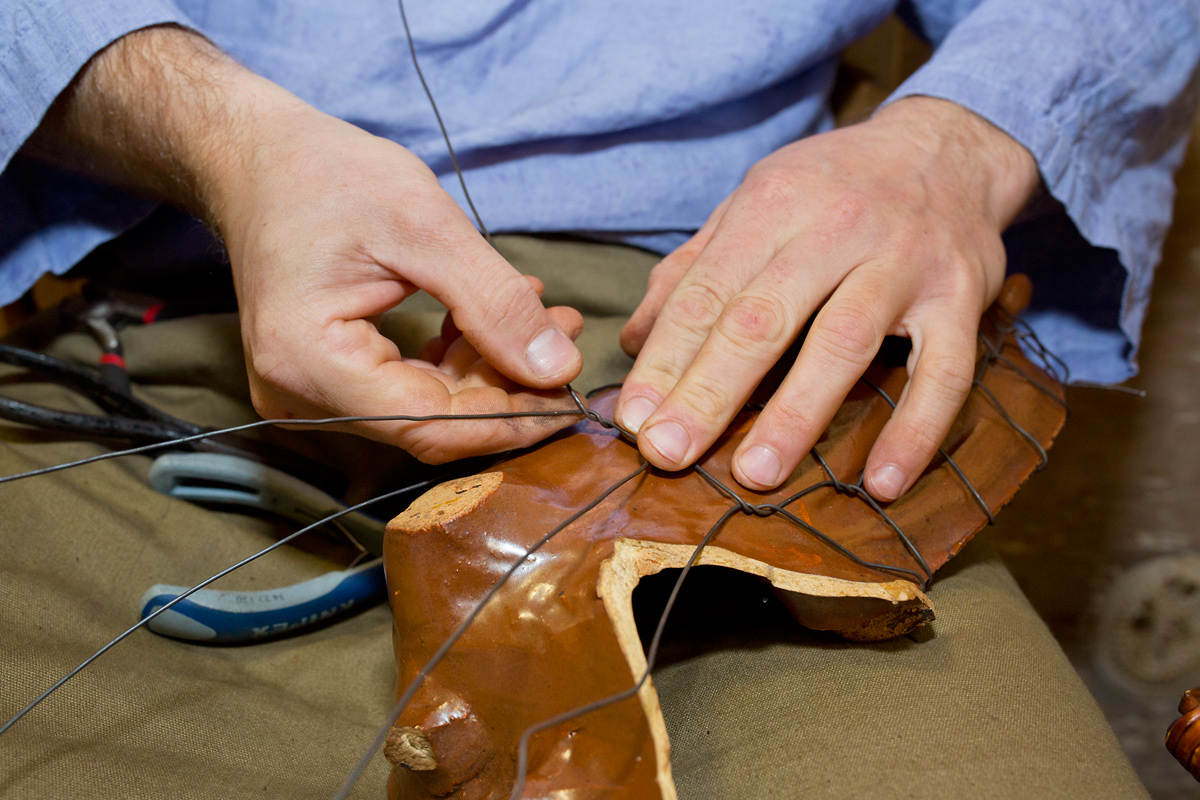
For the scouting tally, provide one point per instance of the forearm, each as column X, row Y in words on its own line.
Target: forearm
column 163, row 112
column 327, row 227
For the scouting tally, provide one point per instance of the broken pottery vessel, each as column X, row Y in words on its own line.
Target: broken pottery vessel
column 561, row 634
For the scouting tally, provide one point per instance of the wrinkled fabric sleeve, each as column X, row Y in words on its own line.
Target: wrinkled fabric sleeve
column 49, row 219
column 1103, row 95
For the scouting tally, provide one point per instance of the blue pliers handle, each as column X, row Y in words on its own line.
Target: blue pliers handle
column 226, row 617
column 218, row 617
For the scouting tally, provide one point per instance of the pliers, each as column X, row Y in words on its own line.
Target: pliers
column 227, row 617
column 225, row 470
column 130, row 419
column 103, row 313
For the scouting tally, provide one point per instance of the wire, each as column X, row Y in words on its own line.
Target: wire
column 436, row 658
column 146, row 448
column 1110, row 387
column 165, row 607
column 412, row 49
column 651, row 657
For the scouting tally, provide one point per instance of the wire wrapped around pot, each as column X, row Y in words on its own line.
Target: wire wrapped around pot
column 515, row 585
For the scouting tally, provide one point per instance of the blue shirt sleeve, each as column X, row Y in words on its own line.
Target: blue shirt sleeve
column 51, row 219
column 1103, row 95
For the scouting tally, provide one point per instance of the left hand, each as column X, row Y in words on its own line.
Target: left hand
column 891, row 226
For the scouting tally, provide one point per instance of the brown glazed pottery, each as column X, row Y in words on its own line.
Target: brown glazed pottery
column 560, row 633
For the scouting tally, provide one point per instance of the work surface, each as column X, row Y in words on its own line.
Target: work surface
column 786, row 712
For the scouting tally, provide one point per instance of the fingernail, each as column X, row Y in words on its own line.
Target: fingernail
column 888, row 481
column 550, row 353
column 669, row 439
column 634, row 413
column 760, row 465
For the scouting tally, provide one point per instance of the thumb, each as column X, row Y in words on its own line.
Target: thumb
column 500, row 314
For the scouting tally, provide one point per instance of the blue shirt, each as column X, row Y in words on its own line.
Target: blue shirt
column 632, row 119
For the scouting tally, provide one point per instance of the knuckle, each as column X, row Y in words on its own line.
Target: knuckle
column 908, row 247
column 752, row 319
column 666, row 274
column 699, row 303
column 921, row 441
column 686, row 253
column 337, row 341
column 662, row 270
column 504, row 308
column 847, row 331
column 706, row 400
column 427, row 452
column 772, row 188
column 657, row 373
column 962, row 280
column 510, row 305
column 845, row 212
column 950, row 375
column 789, row 422
column 273, row 372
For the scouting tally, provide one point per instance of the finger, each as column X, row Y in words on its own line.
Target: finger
column 942, row 371
column 536, row 284
column 765, row 208
column 738, row 249
column 499, row 311
column 568, row 319
column 459, row 358
column 450, row 440
column 462, row 361
column 353, row 371
column 435, row 349
column 844, row 338
column 664, row 277
column 749, row 336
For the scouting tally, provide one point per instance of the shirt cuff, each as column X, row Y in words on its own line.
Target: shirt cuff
column 1107, row 153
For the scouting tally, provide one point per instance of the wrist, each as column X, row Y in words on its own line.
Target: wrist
column 963, row 145
column 262, row 125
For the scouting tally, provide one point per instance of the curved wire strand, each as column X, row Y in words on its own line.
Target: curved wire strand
column 451, row 640
column 249, row 426
column 651, row 658
column 412, row 49
column 206, row 582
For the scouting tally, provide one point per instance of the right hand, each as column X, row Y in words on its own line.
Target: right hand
column 327, row 228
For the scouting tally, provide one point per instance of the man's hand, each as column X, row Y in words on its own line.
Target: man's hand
column 330, row 227
column 887, row 227
column 327, row 227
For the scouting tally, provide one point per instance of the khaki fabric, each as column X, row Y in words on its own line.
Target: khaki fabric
column 985, row 705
